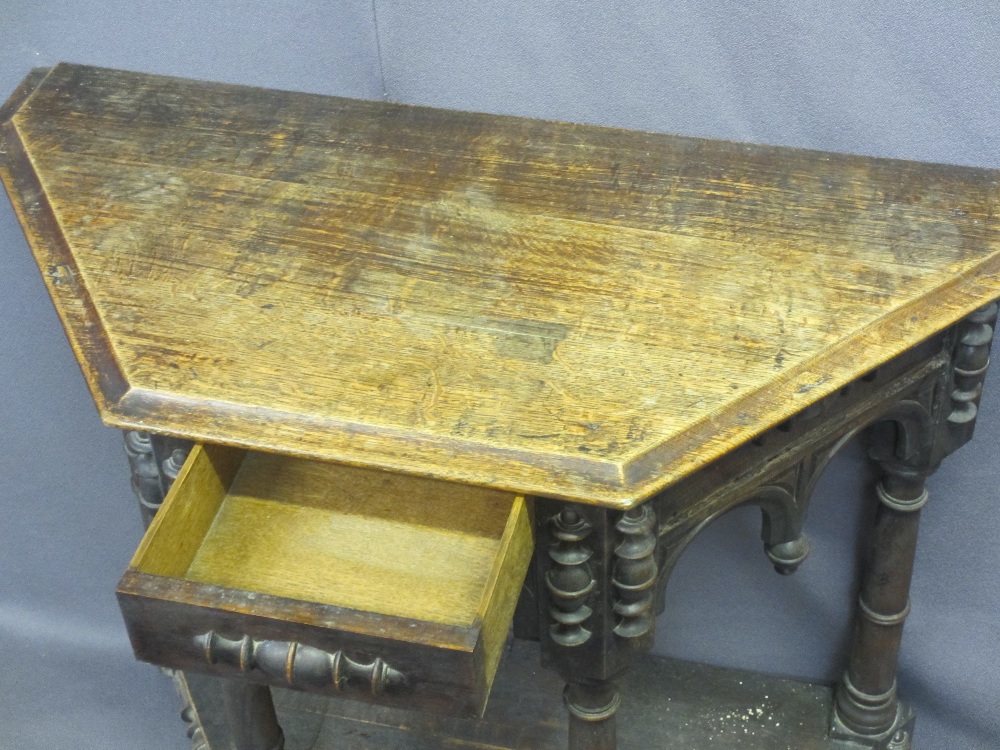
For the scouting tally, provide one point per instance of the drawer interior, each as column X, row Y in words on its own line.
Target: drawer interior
column 343, row 536
column 263, row 528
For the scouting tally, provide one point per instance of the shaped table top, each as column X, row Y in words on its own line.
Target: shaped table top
column 566, row 310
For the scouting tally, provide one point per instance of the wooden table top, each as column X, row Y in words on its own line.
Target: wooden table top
column 566, row 310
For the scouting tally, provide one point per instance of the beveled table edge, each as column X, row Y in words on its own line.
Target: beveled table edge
column 560, row 476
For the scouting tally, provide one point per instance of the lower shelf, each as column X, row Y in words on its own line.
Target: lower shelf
column 666, row 704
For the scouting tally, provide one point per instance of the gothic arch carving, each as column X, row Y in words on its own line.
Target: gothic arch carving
column 784, row 501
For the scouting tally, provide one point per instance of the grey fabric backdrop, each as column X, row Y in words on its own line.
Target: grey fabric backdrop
column 915, row 80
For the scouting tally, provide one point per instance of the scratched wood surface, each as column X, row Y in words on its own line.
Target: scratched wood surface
column 566, row 310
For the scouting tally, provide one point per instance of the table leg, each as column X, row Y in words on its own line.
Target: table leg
column 250, row 716
column 251, row 723
column 866, row 705
column 592, row 707
column 595, row 587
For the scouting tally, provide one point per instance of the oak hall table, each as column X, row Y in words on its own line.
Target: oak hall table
column 436, row 363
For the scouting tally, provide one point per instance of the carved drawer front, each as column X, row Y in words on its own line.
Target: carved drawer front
column 328, row 578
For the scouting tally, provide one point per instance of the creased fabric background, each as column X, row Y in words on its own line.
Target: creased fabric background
column 912, row 80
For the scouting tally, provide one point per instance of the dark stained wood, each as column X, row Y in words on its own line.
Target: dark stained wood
column 867, row 704
column 565, row 310
column 671, row 704
column 329, row 578
column 191, row 710
column 598, row 569
column 155, row 461
column 250, row 716
column 643, row 330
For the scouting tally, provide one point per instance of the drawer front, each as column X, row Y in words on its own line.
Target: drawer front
column 296, row 574
column 188, row 626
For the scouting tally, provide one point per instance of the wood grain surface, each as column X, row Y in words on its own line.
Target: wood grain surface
column 422, row 573
column 175, row 536
column 354, row 538
column 565, row 310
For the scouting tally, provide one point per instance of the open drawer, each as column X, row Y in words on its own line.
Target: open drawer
column 328, row 578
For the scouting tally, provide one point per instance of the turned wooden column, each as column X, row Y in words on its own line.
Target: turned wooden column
column 597, row 574
column 155, row 461
column 592, row 707
column 866, row 702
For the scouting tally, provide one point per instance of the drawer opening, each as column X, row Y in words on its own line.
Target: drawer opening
column 356, row 563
